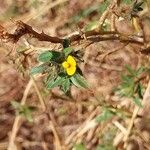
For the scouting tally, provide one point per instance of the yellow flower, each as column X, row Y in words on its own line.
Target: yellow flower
column 70, row 65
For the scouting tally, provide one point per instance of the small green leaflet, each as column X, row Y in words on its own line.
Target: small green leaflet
column 126, row 90
column 134, row 73
column 51, row 76
column 38, row 69
column 27, row 113
column 131, row 71
column 91, row 26
column 140, row 70
column 105, row 115
column 79, row 147
column 66, row 85
column 67, row 51
column 138, row 6
column 23, row 110
column 139, row 90
column 45, row 56
column 137, row 101
column 128, row 2
column 49, row 56
column 106, row 147
column 54, row 83
column 104, row 6
column 15, row 104
column 129, row 88
column 79, row 81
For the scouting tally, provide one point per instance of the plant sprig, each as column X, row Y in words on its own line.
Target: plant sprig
column 131, row 85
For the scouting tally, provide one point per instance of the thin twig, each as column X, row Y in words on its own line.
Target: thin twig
column 11, row 144
column 120, row 127
column 112, row 25
column 39, row 94
column 88, row 124
column 52, row 121
column 113, row 51
column 105, row 14
column 134, row 115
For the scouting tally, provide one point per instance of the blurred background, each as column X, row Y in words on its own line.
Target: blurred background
column 73, row 116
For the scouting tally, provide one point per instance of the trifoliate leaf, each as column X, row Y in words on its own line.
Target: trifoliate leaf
column 38, row 69
column 66, row 85
column 54, row 83
column 79, row 81
column 67, row 51
column 23, row 110
column 50, row 56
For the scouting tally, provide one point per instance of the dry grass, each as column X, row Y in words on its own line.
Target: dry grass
column 61, row 121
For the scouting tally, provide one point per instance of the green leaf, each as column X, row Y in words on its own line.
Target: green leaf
column 51, row 76
column 128, row 2
column 140, row 71
column 130, row 70
column 79, row 81
column 67, row 51
column 23, row 110
column 91, row 26
column 105, row 147
column 139, row 90
column 50, row 56
column 104, row 6
column 126, row 79
column 28, row 114
column 38, row 69
column 45, row 56
column 79, row 147
column 66, row 85
column 127, row 91
column 15, row 104
column 54, row 83
column 127, row 87
column 105, row 115
column 137, row 101
column 137, row 6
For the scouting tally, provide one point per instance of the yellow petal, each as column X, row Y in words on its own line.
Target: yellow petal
column 65, row 64
column 71, row 61
column 71, row 70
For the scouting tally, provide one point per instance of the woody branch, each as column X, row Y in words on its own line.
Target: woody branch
column 96, row 34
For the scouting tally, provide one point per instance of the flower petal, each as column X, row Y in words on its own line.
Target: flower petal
column 71, row 61
column 71, row 70
column 65, row 64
